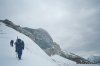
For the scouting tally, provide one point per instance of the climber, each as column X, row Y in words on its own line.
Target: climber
column 12, row 42
column 19, row 47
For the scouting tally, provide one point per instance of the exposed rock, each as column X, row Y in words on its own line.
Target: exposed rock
column 75, row 58
column 55, row 49
column 41, row 37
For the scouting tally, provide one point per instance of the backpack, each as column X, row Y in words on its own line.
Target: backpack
column 19, row 45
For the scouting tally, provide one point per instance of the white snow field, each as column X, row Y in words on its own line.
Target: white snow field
column 62, row 61
column 33, row 55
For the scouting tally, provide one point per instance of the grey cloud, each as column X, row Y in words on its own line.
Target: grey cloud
column 74, row 24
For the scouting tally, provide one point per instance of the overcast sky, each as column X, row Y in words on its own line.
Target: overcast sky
column 73, row 24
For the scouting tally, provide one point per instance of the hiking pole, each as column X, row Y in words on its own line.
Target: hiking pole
column 16, row 55
column 17, row 37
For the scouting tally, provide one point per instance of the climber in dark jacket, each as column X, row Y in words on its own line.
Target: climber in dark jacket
column 19, row 46
column 12, row 42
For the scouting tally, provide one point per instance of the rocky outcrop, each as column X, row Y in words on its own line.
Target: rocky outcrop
column 55, row 49
column 41, row 37
column 44, row 41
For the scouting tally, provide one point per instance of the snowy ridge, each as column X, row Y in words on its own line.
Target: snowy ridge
column 39, row 36
column 62, row 61
column 65, row 62
column 33, row 55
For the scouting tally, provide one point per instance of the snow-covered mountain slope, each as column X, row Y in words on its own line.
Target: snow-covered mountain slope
column 94, row 58
column 62, row 61
column 42, row 38
column 65, row 62
column 33, row 55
